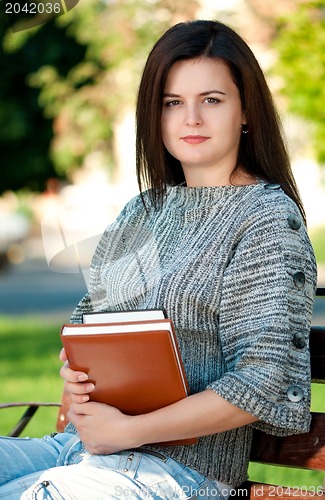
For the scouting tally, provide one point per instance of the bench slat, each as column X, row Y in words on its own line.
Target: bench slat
column 301, row 450
column 317, row 353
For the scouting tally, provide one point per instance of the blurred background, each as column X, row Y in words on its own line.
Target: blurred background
column 67, row 95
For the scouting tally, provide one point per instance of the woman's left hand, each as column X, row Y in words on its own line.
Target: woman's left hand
column 103, row 429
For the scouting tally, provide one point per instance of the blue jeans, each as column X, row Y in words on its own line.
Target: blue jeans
column 59, row 468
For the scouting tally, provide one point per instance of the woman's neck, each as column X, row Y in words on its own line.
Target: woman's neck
column 239, row 177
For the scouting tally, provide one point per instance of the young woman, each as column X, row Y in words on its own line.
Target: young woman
column 218, row 239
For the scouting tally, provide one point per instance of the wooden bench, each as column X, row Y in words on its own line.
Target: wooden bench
column 305, row 451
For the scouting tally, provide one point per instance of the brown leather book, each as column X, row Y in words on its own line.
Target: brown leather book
column 135, row 366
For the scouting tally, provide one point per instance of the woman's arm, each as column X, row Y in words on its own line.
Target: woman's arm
column 105, row 430
column 198, row 415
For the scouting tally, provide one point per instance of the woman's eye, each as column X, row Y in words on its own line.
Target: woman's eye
column 172, row 103
column 212, row 100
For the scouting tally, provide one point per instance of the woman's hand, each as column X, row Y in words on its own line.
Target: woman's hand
column 103, row 429
column 75, row 382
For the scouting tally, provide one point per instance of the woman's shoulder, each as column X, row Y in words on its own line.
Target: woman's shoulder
column 273, row 215
column 272, row 194
column 276, row 217
column 135, row 208
column 133, row 205
column 272, row 204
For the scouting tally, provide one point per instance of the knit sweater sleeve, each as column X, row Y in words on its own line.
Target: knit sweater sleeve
column 264, row 322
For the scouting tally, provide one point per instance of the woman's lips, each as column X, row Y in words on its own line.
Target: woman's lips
column 194, row 139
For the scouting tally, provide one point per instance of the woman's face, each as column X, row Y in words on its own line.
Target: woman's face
column 201, row 120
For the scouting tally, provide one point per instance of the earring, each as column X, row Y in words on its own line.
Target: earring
column 244, row 128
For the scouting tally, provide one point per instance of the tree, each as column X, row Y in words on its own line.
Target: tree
column 86, row 103
column 300, row 42
column 72, row 78
column 25, row 134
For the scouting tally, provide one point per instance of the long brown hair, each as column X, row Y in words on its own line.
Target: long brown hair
column 262, row 151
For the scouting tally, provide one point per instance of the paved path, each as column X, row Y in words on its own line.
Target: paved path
column 32, row 288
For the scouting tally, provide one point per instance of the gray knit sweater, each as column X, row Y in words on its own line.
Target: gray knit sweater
column 234, row 268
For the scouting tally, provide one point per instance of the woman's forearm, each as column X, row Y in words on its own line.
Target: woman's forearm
column 197, row 415
column 105, row 430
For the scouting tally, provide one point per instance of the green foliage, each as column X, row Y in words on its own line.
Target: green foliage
column 317, row 237
column 300, row 43
column 25, row 134
column 88, row 101
column 65, row 84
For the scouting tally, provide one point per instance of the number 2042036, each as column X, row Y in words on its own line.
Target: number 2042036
column 33, row 8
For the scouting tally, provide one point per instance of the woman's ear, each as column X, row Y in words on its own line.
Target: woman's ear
column 244, row 125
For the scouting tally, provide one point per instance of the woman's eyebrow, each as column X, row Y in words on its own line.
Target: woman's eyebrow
column 205, row 93
column 212, row 92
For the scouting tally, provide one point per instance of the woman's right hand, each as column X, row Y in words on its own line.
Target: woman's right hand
column 75, row 382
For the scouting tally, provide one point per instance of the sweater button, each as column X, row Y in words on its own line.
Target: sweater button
column 272, row 187
column 299, row 340
column 299, row 279
column 295, row 393
column 294, row 221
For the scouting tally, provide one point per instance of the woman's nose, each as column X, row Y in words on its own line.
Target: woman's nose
column 193, row 116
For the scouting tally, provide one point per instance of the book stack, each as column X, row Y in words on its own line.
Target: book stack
column 132, row 357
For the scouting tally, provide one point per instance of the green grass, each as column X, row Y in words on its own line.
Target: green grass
column 29, row 371
column 317, row 237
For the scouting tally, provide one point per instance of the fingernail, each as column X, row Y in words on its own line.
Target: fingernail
column 82, row 377
column 89, row 387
